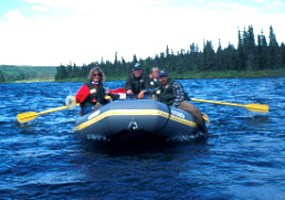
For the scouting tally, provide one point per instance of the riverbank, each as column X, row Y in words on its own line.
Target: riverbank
column 188, row 75
column 231, row 74
column 220, row 74
column 206, row 74
column 34, row 80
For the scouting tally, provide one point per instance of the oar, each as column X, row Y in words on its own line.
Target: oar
column 70, row 102
column 29, row 116
column 254, row 107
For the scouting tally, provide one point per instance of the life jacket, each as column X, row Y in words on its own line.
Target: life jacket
column 166, row 95
column 138, row 84
column 153, row 83
column 97, row 95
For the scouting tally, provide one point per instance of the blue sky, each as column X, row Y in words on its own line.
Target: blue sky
column 51, row 32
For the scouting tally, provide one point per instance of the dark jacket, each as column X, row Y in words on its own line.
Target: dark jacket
column 172, row 95
column 137, row 84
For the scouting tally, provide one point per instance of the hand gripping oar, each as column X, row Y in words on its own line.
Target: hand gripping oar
column 252, row 107
column 29, row 116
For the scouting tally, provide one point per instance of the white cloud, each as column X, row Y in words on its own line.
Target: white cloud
column 277, row 3
column 39, row 8
column 84, row 31
column 259, row 1
column 13, row 15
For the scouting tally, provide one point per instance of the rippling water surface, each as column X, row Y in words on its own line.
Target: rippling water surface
column 243, row 159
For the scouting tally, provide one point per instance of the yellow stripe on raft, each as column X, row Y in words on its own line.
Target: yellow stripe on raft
column 183, row 121
column 134, row 112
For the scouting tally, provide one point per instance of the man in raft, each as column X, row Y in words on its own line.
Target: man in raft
column 137, row 83
column 172, row 93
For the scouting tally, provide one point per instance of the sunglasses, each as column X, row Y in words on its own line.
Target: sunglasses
column 97, row 75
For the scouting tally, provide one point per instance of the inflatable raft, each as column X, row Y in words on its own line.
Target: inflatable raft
column 136, row 118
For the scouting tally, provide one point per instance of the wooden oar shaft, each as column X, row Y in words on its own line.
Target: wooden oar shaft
column 217, row 102
column 53, row 110
column 252, row 107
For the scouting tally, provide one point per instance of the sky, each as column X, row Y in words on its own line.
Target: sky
column 54, row 32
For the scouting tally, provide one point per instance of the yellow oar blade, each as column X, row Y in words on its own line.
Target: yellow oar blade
column 29, row 116
column 258, row 108
column 26, row 117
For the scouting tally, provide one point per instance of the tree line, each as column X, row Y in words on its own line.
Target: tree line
column 10, row 73
column 249, row 55
column 2, row 77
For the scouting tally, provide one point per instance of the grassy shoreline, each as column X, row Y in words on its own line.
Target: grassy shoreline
column 221, row 74
column 207, row 75
column 189, row 75
column 232, row 74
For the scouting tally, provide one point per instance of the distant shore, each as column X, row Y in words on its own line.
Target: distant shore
column 232, row 74
column 188, row 75
column 221, row 74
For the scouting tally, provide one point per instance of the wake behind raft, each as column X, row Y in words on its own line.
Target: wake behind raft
column 145, row 118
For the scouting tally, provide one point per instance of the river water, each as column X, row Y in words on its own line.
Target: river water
column 244, row 158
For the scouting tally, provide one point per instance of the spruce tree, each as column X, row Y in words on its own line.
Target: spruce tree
column 282, row 52
column 241, row 53
column 208, row 56
column 2, row 77
column 261, row 58
column 249, row 48
column 273, row 52
column 220, row 57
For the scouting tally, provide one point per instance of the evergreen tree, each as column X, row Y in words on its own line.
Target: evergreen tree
column 230, row 58
column 60, row 73
column 249, row 55
column 261, row 52
column 21, row 76
column 75, row 71
column 249, row 48
column 83, row 71
column 116, row 65
column 167, row 51
column 208, row 56
column 2, row 77
column 125, row 66
column 194, row 57
column 282, row 52
column 273, row 52
column 219, row 57
column 135, row 60
column 241, row 53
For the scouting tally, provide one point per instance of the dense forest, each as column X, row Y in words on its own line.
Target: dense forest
column 10, row 73
column 249, row 56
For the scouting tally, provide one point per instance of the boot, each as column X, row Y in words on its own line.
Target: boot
column 201, row 125
column 197, row 114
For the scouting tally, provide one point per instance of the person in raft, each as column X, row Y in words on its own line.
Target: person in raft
column 154, row 82
column 137, row 83
column 92, row 94
column 172, row 93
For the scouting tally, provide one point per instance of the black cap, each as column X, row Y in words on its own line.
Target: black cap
column 163, row 73
column 137, row 66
